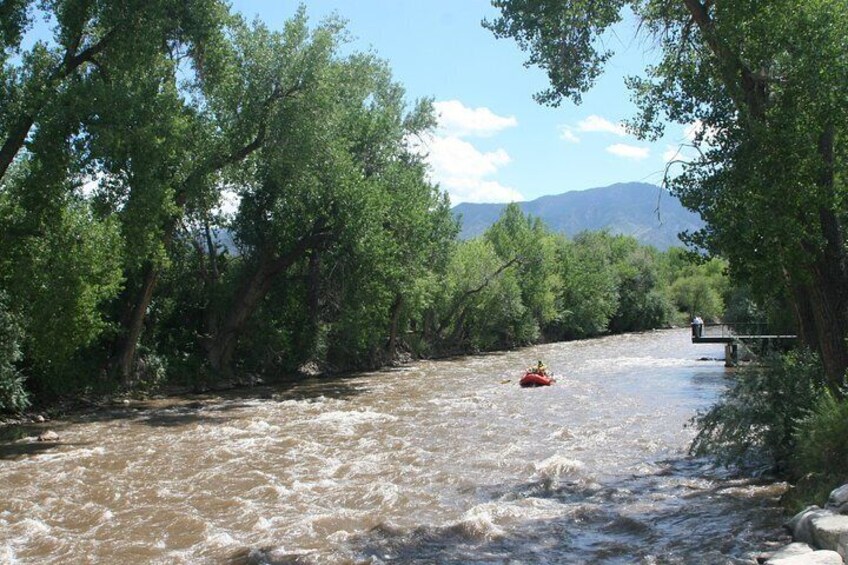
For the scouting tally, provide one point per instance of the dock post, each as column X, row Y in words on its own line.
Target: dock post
column 731, row 354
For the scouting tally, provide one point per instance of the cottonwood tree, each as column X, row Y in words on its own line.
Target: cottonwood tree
column 86, row 36
column 765, row 83
column 93, row 102
column 334, row 194
column 230, row 108
column 480, row 305
column 589, row 296
column 532, row 245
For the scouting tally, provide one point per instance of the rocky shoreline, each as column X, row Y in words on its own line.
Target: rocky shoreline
column 820, row 534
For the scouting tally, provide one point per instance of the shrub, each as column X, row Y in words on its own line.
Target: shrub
column 754, row 421
column 13, row 397
column 821, row 453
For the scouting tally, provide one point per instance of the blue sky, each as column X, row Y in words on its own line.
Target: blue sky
column 495, row 143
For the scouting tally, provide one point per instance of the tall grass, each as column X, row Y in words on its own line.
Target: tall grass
column 13, row 397
column 820, row 459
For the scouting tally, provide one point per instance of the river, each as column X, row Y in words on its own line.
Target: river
column 445, row 461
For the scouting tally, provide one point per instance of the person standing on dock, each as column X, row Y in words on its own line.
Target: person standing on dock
column 697, row 326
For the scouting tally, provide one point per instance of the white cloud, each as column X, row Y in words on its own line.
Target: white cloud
column 597, row 124
column 479, row 190
column 591, row 124
column 458, row 120
column 460, row 168
column 463, row 170
column 567, row 134
column 629, row 151
column 454, row 157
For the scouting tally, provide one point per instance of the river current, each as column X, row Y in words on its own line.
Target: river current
column 444, row 461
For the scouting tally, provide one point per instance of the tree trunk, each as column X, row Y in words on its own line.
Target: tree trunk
column 803, row 311
column 124, row 360
column 827, row 297
column 250, row 295
column 14, row 142
column 210, row 281
column 830, row 283
column 313, row 292
column 458, row 330
column 247, row 299
column 391, row 344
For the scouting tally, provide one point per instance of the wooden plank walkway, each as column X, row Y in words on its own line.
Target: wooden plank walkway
column 726, row 333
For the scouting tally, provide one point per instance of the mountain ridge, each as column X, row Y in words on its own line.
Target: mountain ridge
column 645, row 211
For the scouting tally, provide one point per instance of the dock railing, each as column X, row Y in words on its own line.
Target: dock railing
column 736, row 331
column 754, row 337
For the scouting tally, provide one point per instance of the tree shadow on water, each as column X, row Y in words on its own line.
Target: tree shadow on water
column 11, row 451
column 21, row 449
column 23, row 440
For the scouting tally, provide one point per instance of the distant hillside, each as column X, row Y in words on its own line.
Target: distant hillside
column 647, row 212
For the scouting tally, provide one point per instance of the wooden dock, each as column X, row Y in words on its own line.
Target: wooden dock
column 734, row 335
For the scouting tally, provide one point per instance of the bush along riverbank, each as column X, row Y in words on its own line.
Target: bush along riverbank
column 779, row 416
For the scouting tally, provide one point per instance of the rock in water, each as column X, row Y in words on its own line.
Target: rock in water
column 49, row 435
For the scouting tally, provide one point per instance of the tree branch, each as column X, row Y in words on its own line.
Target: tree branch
column 748, row 90
column 459, row 303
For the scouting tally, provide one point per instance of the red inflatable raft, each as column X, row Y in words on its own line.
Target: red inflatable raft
column 535, row 379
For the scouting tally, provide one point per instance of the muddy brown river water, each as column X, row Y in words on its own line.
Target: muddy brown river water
column 438, row 462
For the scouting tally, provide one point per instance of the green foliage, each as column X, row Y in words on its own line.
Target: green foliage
column 755, row 420
column 822, row 439
column 820, row 458
column 590, row 296
column 70, row 273
column 13, row 397
column 699, row 289
column 533, row 246
column 609, row 283
column 695, row 295
column 539, row 27
column 481, row 308
column 60, row 270
column 742, row 308
column 642, row 301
